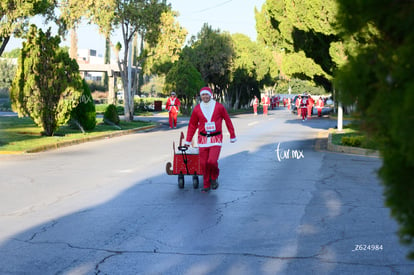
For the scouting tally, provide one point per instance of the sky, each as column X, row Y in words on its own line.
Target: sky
column 234, row 16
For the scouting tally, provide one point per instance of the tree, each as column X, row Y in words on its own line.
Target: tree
column 47, row 85
column 168, row 48
column 136, row 16
column 301, row 34
column 212, row 54
column 15, row 53
column 133, row 17
column 7, row 73
column 14, row 17
column 73, row 50
column 107, row 60
column 379, row 78
column 186, row 81
column 251, row 65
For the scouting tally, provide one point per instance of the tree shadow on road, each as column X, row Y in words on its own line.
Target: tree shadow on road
column 249, row 225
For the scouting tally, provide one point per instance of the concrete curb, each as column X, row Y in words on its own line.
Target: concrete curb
column 79, row 141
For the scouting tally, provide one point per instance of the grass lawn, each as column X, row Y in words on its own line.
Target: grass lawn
column 21, row 134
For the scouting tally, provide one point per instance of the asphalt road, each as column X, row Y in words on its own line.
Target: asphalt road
column 108, row 207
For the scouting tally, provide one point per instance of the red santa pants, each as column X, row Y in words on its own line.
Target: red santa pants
column 319, row 112
column 255, row 108
column 173, row 118
column 303, row 112
column 209, row 163
column 309, row 111
column 265, row 109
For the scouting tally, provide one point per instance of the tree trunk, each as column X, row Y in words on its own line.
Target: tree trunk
column 128, row 111
column 4, row 44
column 237, row 101
column 73, row 51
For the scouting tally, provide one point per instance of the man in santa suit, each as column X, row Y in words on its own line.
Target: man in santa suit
column 311, row 102
column 255, row 103
column 304, row 102
column 265, row 103
column 297, row 104
column 319, row 106
column 173, row 106
column 207, row 117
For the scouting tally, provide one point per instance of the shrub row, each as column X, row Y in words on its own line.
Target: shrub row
column 354, row 141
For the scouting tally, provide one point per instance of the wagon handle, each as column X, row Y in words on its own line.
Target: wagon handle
column 181, row 139
column 182, row 148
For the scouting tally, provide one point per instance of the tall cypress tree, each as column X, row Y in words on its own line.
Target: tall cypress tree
column 379, row 77
column 47, row 85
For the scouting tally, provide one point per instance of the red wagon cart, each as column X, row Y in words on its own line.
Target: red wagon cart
column 186, row 162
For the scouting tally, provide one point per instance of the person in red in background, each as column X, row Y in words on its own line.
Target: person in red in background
column 319, row 106
column 304, row 102
column 207, row 117
column 297, row 104
column 173, row 106
column 265, row 103
column 284, row 102
column 288, row 103
column 255, row 103
column 277, row 100
column 311, row 102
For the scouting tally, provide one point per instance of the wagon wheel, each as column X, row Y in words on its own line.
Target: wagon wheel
column 181, row 181
column 195, row 181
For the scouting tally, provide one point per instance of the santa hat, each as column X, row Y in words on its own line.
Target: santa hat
column 206, row 90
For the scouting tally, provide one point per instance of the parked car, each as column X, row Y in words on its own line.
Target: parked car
column 328, row 108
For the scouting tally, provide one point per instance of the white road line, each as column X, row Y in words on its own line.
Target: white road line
column 252, row 123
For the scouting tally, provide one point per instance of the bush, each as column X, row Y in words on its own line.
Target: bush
column 111, row 114
column 354, row 141
column 85, row 112
column 5, row 105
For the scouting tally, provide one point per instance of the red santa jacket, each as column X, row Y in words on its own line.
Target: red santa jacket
column 304, row 102
column 173, row 104
column 266, row 100
column 255, row 101
column 198, row 120
column 319, row 104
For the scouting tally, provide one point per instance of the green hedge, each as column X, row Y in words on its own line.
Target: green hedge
column 111, row 115
column 354, row 141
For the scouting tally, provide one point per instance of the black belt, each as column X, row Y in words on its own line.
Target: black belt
column 210, row 134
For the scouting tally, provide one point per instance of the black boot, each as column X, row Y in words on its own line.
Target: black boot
column 214, row 184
